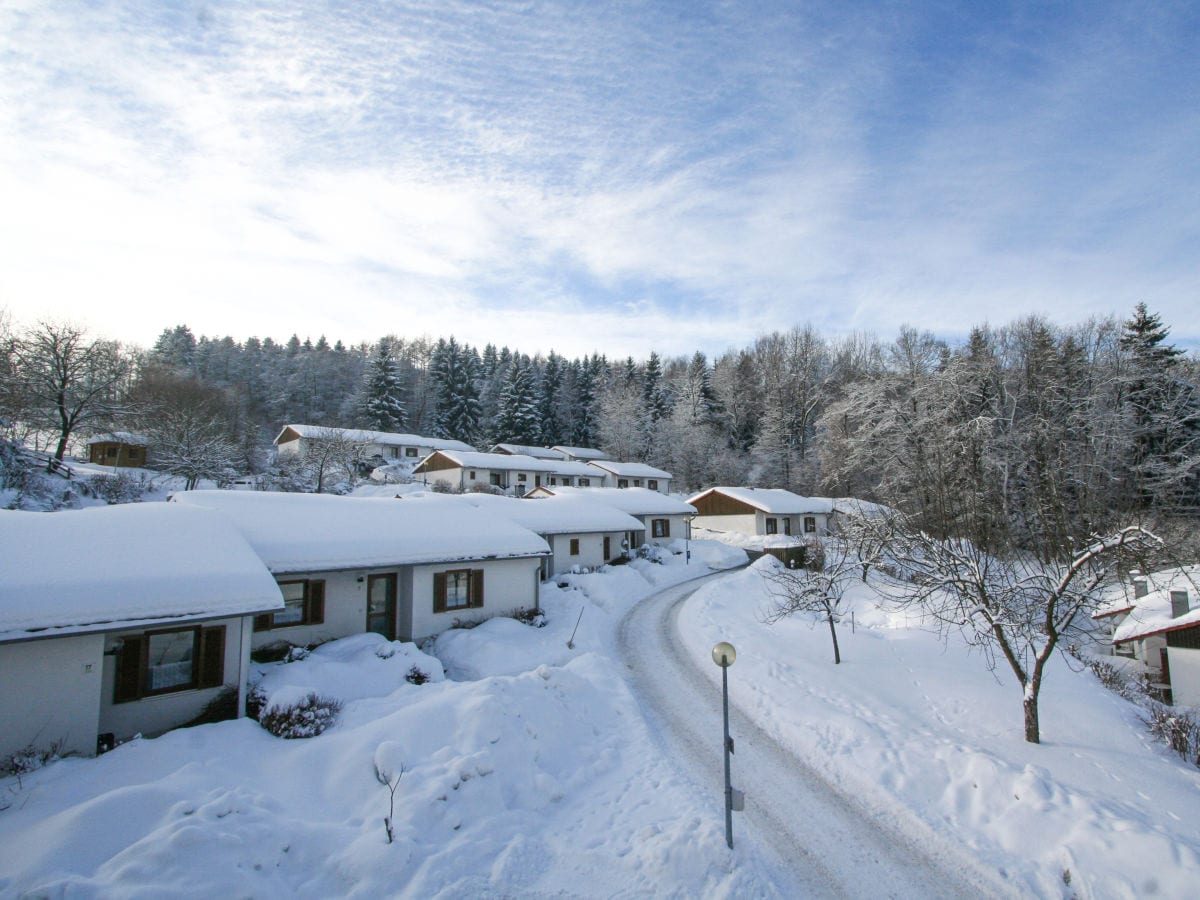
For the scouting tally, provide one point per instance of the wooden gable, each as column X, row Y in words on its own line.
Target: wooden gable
column 436, row 461
column 714, row 503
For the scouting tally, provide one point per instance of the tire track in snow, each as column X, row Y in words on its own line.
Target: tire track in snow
column 826, row 842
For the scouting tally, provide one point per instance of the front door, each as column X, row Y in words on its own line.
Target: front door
column 381, row 605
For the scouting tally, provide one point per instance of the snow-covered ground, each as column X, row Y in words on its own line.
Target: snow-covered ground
column 529, row 769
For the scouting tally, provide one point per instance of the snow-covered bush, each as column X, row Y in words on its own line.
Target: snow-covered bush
column 416, row 676
column 120, row 487
column 305, row 718
column 30, row 759
column 1176, row 728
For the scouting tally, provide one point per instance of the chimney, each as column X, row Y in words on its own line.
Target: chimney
column 1179, row 604
column 1140, row 586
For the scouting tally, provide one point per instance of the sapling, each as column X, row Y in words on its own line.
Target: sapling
column 385, row 778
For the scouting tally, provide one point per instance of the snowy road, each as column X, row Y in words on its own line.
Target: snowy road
column 830, row 844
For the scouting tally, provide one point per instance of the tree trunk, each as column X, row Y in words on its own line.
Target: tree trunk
column 1032, row 730
column 837, row 656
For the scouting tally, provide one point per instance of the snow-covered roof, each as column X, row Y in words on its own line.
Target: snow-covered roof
column 505, row 462
column 584, row 453
column 629, row 469
column 120, row 437
column 385, row 438
column 635, row 501
column 319, row 532
column 109, row 567
column 1151, row 614
column 553, row 515
column 526, row 450
column 772, row 500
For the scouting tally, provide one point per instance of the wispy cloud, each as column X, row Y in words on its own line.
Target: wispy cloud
column 613, row 177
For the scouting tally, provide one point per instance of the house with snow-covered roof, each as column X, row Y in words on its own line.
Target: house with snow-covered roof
column 1161, row 629
column 580, row 534
column 348, row 565
column 122, row 620
column 526, row 450
column 761, row 511
column 663, row 518
column 118, row 448
column 512, row 473
column 581, row 454
column 388, row 446
column 631, row 474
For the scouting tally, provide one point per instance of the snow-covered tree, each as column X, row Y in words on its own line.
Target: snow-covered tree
column 382, row 397
column 517, row 418
column 817, row 588
column 453, row 370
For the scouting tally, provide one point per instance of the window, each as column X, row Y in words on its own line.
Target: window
column 133, row 452
column 607, row 547
column 585, row 482
column 810, row 524
column 472, row 475
column 660, row 528
column 394, row 452
column 652, row 483
column 637, row 482
column 574, row 546
column 457, row 589
column 163, row 662
column 111, row 453
column 772, row 526
column 410, row 451
column 552, row 481
column 520, row 476
column 787, row 524
column 303, row 604
column 622, row 482
column 495, row 479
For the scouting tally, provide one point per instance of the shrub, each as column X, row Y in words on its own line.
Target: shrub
column 416, row 676
column 30, row 759
column 304, row 719
column 120, row 487
column 1177, row 729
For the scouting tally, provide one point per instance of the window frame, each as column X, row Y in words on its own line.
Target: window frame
column 441, row 590
column 652, row 484
column 771, row 525
column 660, row 528
column 810, row 524
column 573, row 547
column 131, row 680
column 313, row 601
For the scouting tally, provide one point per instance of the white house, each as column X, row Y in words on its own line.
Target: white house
column 121, row 620
column 460, row 470
column 404, row 569
column 1162, row 631
column 391, row 447
column 631, row 474
column 761, row 511
column 580, row 454
column 663, row 519
column 581, row 534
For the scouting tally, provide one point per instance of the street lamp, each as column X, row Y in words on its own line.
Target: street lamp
column 723, row 655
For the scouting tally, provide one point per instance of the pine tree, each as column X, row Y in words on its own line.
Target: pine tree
column 549, row 399
column 382, row 393
column 453, row 369
column 517, row 419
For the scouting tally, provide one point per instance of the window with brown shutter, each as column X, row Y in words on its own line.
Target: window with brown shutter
column 304, row 604
column 212, row 657
column 660, row 528
column 574, row 546
column 167, row 661
column 457, row 589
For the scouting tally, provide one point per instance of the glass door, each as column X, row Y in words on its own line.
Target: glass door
column 381, row 605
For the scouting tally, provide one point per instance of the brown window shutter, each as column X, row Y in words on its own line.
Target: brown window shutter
column 129, row 670
column 439, row 592
column 477, row 587
column 263, row 622
column 212, row 657
column 316, row 602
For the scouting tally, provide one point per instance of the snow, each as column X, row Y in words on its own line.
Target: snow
column 86, row 570
column 1152, row 613
column 384, row 438
column 319, row 532
column 636, row 501
column 529, row 768
column 772, row 500
column 554, row 515
column 508, row 463
column 526, row 450
column 629, row 469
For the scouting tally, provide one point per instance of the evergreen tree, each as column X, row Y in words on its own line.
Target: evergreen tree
column 381, row 398
column 517, row 418
column 549, row 400
column 453, row 371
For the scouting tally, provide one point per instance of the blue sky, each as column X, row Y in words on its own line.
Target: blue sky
column 585, row 176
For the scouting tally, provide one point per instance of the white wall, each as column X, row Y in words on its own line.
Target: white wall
column 591, row 550
column 154, row 715
column 1184, row 664
column 345, row 610
column 678, row 527
column 49, row 692
column 507, row 584
column 743, row 524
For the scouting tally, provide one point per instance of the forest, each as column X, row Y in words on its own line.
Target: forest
column 1032, row 431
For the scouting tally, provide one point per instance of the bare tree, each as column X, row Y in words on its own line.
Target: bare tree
column 819, row 588
column 333, row 451
column 1011, row 606
column 69, row 381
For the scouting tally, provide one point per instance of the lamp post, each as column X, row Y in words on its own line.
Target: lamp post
column 723, row 655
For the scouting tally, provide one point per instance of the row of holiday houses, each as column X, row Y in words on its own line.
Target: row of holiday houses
column 132, row 619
